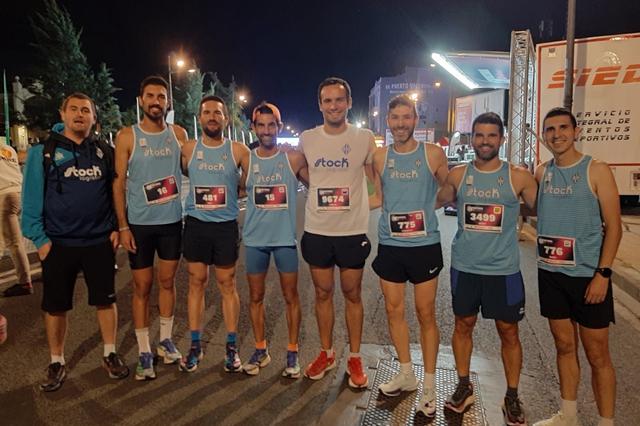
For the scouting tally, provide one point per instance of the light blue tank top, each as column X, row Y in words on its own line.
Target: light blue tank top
column 154, row 180
column 213, row 183
column 569, row 221
column 409, row 195
column 486, row 242
column 270, row 218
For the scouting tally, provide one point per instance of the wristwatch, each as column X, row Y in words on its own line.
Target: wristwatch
column 605, row 272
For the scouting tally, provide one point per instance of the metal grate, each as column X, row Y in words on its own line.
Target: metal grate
column 401, row 410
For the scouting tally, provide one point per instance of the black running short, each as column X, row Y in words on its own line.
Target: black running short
column 499, row 297
column 60, row 270
column 344, row 251
column 163, row 239
column 211, row 243
column 562, row 297
column 414, row 264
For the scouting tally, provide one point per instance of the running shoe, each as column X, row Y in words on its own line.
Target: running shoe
column 357, row 377
column 18, row 290
column 258, row 360
column 318, row 368
column 56, row 373
column 190, row 363
column 461, row 399
column 427, row 404
column 513, row 412
column 115, row 366
column 292, row 370
column 168, row 351
column 559, row 419
column 232, row 362
column 144, row 369
column 401, row 382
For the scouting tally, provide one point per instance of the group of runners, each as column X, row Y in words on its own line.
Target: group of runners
column 82, row 200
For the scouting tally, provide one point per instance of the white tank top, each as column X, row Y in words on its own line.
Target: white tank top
column 337, row 204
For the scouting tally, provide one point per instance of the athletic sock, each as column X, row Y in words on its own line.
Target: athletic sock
column 463, row 380
column 166, row 327
column 262, row 345
column 605, row 422
column 57, row 358
column 292, row 347
column 569, row 408
column 108, row 349
column 429, row 381
column 195, row 340
column 354, row 354
column 406, row 367
column 512, row 392
column 231, row 337
column 330, row 353
column 142, row 336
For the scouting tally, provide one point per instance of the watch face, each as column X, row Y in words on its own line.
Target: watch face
column 605, row 272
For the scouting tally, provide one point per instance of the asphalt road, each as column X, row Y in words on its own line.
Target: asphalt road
column 210, row 396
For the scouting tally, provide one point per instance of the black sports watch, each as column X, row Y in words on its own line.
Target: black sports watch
column 605, row 272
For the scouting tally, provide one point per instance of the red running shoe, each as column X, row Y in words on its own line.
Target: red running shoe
column 357, row 377
column 317, row 369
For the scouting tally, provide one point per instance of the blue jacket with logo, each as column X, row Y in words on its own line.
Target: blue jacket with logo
column 70, row 203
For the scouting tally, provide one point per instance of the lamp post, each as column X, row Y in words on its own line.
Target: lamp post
column 180, row 63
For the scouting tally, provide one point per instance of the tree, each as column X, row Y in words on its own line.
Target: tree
column 64, row 68
column 186, row 100
column 189, row 91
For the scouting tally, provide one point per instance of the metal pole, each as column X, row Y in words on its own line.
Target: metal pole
column 568, row 72
column 170, row 85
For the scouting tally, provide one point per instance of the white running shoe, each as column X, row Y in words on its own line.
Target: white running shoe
column 559, row 419
column 401, row 382
column 427, row 404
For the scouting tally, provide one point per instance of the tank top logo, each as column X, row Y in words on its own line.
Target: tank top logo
column 346, row 149
column 479, row 193
column 500, row 180
column 558, row 190
column 260, row 179
column 161, row 152
column 211, row 167
column 408, row 175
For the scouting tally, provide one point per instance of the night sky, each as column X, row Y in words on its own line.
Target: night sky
column 280, row 51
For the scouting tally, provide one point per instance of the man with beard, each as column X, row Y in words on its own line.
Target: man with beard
column 271, row 182
column 68, row 214
column 150, row 216
column 211, row 226
column 485, row 267
column 338, row 155
column 407, row 176
column 579, row 230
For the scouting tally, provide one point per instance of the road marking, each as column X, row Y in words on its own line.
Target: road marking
column 10, row 275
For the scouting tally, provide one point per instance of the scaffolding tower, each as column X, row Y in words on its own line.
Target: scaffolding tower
column 521, row 136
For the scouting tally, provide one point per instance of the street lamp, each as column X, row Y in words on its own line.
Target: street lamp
column 179, row 63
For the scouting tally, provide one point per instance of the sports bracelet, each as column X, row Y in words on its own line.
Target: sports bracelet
column 124, row 228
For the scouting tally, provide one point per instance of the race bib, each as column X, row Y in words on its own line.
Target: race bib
column 210, row 197
column 409, row 224
column 161, row 191
column 273, row 197
column 556, row 250
column 483, row 217
column 333, row 199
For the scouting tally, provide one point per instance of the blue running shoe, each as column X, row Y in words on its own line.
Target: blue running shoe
column 190, row 363
column 144, row 369
column 232, row 362
column 168, row 351
column 292, row 370
column 258, row 360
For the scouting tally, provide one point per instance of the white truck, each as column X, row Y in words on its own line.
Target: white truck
column 606, row 100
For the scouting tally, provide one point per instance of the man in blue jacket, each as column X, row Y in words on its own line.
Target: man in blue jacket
column 68, row 214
